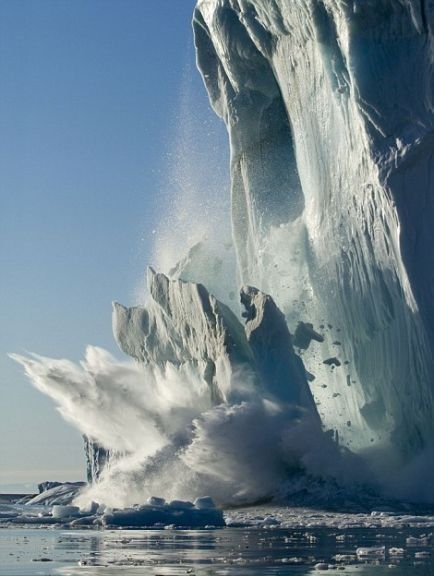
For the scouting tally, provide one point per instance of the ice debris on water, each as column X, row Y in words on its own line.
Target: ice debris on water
column 371, row 552
column 154, row 513
column 396, row 551
column 59, row 511
column 424, row 540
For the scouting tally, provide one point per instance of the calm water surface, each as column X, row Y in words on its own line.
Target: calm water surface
column 225, row 552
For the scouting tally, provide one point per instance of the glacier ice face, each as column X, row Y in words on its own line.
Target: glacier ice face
column 329, row 109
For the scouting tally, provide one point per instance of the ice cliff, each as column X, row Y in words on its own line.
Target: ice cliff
column 329, row 110
column 306, row 357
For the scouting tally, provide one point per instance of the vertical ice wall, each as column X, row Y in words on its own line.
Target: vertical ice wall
column 329, row 110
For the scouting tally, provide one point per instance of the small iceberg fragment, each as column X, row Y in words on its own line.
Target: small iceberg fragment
column 371, row 552
column 60, row 511
column 396, row 552
column 423, row 554
column 56, row 493
column 424, row 540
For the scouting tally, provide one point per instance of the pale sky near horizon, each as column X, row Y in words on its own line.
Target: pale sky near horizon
column 89, row 103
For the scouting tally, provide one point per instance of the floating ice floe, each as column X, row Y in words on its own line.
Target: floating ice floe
column 56, row 494
column 396, row 551
column 59, row 511
column 371, row 552
column 423, row 540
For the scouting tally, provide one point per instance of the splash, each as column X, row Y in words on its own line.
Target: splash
column 169, row 439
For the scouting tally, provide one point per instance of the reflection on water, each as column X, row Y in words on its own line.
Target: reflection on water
column 225, row 552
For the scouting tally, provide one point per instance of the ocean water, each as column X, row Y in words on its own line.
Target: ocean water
column 263, row 549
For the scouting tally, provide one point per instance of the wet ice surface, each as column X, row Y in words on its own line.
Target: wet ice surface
column 279, row 541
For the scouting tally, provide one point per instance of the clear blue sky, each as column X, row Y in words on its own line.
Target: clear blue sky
column 89, row 97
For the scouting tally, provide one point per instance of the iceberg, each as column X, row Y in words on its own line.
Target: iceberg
column 329, row 110
column 297, row 358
